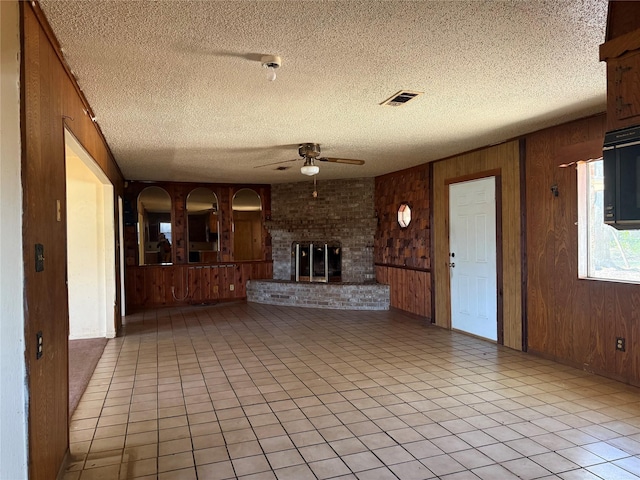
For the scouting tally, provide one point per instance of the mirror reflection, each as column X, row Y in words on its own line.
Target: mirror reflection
column 247, row 225
column 202, row 214
column 154, row 226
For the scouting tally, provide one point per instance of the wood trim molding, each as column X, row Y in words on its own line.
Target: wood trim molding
column 589, row 150
column 44, row 23
column 402, row 267
column 523, row 240
column 499, row 262
column 432, row 250
column 496, row 172
column 620, row 45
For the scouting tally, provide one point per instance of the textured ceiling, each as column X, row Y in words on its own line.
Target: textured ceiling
column 180, row 94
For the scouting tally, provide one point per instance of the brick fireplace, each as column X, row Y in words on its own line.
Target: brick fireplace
column 342, row 214
column 336, row 232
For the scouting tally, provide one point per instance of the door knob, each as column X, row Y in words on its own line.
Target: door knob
column 452, row 265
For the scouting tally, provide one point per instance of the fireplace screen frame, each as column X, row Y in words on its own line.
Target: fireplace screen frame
column 316, row 262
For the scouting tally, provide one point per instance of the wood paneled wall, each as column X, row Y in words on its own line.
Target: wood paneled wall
column 181, row 282
column 410, row 289
column 504, row 158
column 402, row 255
column 396, row 246
column 50, row 101
column 157, row 285
column 571, row 320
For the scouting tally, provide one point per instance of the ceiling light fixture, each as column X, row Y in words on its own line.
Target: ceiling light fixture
column 271, row 62
column 309, row 168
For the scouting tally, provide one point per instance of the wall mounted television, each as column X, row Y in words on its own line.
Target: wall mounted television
column 621, row 161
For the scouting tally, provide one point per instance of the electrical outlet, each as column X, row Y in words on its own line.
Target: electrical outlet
column 232, row 287
column 39, row 345
column 620, row 344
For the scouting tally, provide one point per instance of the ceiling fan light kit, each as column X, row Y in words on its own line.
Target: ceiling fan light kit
column 309, row 168
column 271, row 62
column 310, row 152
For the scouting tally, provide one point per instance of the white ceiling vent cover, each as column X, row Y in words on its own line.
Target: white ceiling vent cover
column 400, row 98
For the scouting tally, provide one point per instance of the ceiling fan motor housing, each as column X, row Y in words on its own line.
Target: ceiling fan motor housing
column 310, row 150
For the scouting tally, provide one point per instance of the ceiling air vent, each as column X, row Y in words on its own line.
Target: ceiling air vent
column 400, row 98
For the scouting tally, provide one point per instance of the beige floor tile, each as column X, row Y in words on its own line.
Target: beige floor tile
column 211, row 455
column 181, row 474
column 525, row 469
column 413, row 470
column 554, row 462
column 142, row 427
column 170, row 447
column 101, row 473
column 249, row 465
column 244, row 449
column 285, row 458
column 107, row 444
column 493, row 472
column 139, row 468
column 216, row 471
column 331, row 467
column 298, row 472
column 289, row 393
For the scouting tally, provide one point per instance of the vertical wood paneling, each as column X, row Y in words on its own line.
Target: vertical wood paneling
column 158, row 285
column 572, row 320
column 50, row 100
column 504, row 157
column 407, row 289
column 540, row 242
column 179, row 225
column 402, row 255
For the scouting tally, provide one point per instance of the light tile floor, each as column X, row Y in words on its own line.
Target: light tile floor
column 261, row 392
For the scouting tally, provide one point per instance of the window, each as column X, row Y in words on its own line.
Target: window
column 404, row 215
column 604, row 253
column 165, row 227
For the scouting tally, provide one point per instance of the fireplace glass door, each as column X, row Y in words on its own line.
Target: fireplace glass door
column 315, row 262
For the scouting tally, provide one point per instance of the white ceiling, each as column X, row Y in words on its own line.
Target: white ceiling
column 179, row 91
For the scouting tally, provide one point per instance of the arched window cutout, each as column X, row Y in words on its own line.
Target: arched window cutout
column 155, row 234
column 203, row 226
column 247, row 225
column 404, row 215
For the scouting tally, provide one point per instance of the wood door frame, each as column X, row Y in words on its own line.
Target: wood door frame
column 522, row 147
column 497, row 173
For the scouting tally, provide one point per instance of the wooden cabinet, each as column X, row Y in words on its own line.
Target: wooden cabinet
column 623, row 91
column 621, row 51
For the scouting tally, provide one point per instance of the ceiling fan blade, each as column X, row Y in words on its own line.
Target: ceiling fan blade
column 349, row 161
column 276, row 163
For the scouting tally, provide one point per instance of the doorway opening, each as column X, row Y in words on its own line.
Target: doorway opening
column 91, row 264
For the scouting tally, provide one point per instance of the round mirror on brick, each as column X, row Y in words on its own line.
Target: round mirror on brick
column 154, row 227
column 247, row 225
column 203, row 226
column 404, row 215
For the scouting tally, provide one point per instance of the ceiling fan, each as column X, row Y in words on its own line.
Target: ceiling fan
column 310, row 152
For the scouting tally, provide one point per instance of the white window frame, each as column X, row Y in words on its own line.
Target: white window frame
column 584, row 250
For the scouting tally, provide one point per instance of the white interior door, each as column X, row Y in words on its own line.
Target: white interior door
column 472, row 257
